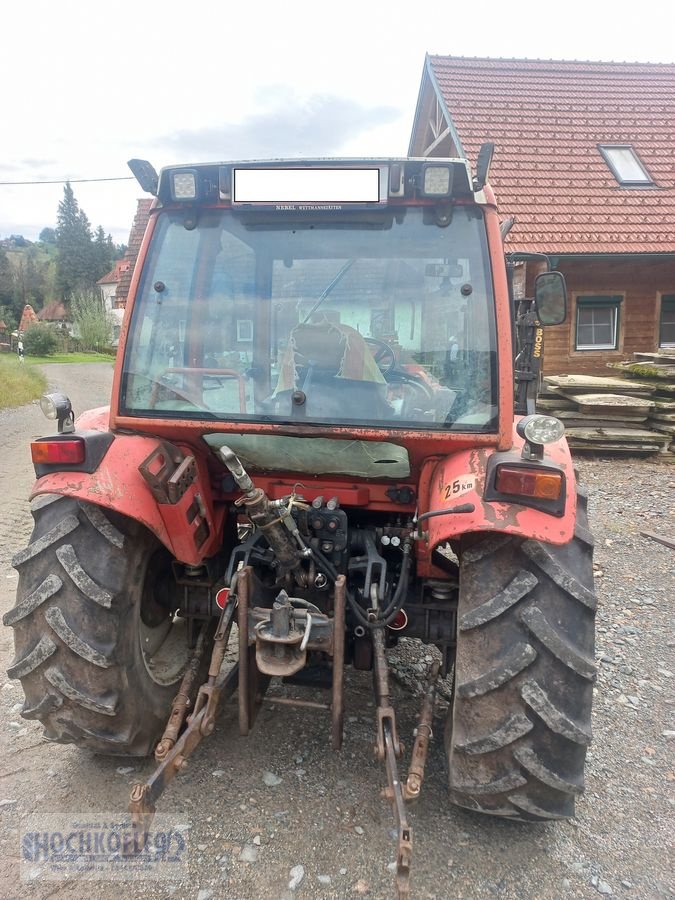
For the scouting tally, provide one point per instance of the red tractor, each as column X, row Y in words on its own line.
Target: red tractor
column 312, row 435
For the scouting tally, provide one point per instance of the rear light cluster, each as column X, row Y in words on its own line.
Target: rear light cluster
column 68, row 452
column 529, row 482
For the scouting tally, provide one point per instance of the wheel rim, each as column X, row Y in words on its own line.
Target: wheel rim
column 164, row 649
column 162, row 634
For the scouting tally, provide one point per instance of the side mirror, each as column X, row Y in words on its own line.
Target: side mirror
column 550, row 297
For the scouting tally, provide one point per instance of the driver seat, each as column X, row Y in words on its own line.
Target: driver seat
column 333, row 367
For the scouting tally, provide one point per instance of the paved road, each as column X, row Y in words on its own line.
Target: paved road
column 326, row 814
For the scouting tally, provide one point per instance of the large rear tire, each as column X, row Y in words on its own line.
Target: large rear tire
column 517, row 733
column 97, row 649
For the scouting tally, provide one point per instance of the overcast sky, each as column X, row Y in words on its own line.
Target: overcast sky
column 87, row 85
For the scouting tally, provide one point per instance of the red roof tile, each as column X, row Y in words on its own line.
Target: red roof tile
column 54, row 311
column 546, row 119
column 115, row 274
column 135, row 238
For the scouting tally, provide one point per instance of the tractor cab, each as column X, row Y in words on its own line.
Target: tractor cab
column 336, row 295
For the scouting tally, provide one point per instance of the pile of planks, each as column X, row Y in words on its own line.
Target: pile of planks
column 659, row 370
column 606, row 414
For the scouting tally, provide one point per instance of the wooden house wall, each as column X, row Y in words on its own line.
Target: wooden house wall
column 641, row 284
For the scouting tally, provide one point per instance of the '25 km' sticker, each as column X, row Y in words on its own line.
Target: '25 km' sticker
column 460, row 486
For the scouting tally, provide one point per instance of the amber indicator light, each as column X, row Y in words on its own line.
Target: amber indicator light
column 68, row 452
column 545, row 485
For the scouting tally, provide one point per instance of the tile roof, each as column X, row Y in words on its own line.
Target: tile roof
column 54, row 311
column 134, row 245
column 115, row 274
column 28, row 318
column 546, row 119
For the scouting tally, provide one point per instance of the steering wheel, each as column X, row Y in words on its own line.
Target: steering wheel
column 383, row 355
column 188, row 395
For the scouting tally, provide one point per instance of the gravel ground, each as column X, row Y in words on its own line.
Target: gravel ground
column 279, row 815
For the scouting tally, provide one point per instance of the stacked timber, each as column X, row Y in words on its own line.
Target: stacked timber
column 659, row 370
column 604, row 414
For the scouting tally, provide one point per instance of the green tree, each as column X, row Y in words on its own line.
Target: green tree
column 31, row 278
column 6, row 280
column 103, row 254
column 75, row 267
column 92, row 323
column 8, row 316
column 47, row 236
column 40, row 340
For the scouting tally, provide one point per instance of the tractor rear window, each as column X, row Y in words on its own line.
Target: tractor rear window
column 380, row 318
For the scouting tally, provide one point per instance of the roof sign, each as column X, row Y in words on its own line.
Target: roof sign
column 299, row 185
column 625, row 164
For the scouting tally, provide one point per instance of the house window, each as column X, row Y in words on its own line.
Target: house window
column 244, row 329
column 597, row 323
column 625, row 164
column 667, row 322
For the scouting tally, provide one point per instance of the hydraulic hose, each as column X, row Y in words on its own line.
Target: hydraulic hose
column 397, row 600
column 401, row 588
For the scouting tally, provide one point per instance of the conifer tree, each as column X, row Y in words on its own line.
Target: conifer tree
column 103, row 257
column 75, row 267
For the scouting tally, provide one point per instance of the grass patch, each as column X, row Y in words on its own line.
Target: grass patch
column 70, row 358
column 19, row 384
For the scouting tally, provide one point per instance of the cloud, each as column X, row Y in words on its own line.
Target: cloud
column 22, row 165
column 318, row 125
column 33, row 163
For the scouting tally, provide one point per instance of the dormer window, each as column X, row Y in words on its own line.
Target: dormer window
column 625, row 165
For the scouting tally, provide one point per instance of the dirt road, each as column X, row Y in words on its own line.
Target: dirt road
column 323, row 811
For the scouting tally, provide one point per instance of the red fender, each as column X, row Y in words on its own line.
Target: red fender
column 118, row 485
column 460, row 479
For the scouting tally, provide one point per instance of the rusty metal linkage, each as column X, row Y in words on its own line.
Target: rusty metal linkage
column 144, row 797
column 389, row 751
column 337, row 699
column 423, row 735
column 182, row 700
column 252, row 683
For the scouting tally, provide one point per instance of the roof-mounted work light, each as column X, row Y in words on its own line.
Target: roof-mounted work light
column 184, row 184
column 436, row 180
column 145, row 175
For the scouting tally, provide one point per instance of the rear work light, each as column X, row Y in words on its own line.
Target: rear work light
column 437, row 180
column 69, row 452
column 529, row 482
column 184, row 185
